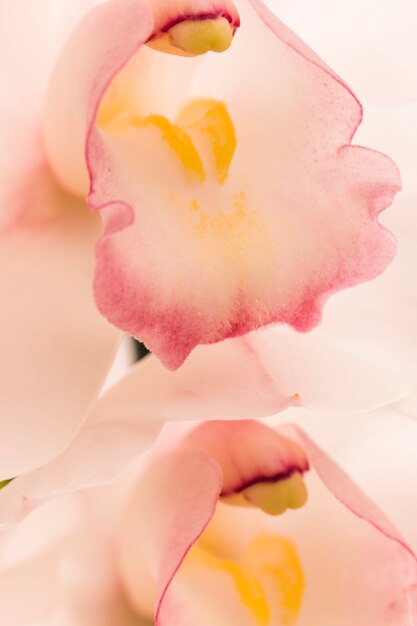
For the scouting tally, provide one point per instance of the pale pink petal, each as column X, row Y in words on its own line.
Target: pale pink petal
column 380, row 64
column 30, row 556
column 254, row 377
column 60, row 561
column 96, row 456
column 22, row 156
column 27, row 589
column 31, row 38
column 248, row 378
column 56, row 348
column 318, row 197
column 408, row 406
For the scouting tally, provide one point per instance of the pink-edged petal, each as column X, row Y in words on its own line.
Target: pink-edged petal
column 362, row 559
column 378, row 321
column 203, row 296
column 328, row 28
column 378, row 451
column 56, row 348
column 174, row 501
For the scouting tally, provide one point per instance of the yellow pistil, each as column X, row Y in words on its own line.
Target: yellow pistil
column 275, row 498
column 194, row 37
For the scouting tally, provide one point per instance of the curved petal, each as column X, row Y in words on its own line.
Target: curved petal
column 363, row 590
column 178, row 500
column 56, row 348
column 96, row 456
column 237, row 379
column 328, row 28
column 257, row 376
column 307, row 252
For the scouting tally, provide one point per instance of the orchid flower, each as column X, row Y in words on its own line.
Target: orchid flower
column 228, row 523
column 209, row 172
column 235, row 166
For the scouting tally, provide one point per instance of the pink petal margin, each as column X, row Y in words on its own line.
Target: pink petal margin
column 350, row 495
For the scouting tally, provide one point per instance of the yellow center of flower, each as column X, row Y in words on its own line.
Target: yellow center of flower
column 267, row 576
column 193, row 37
column 202, row 122
column 188, row 164
column 196, row 185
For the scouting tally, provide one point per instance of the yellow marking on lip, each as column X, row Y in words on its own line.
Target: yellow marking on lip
column 247, row 585
column 237, row 230
column 211, row 119
column 179, row 141
column 275, row 557
column 174, row 136
column 205, row 120
column 268, row 576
